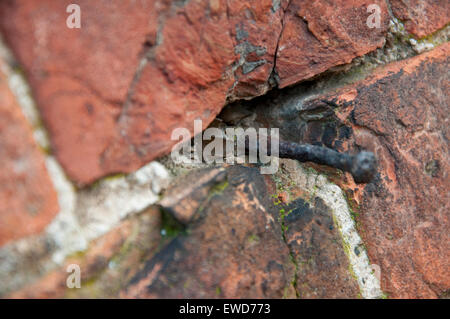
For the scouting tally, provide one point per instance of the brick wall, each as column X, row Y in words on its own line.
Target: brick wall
column 85, row 129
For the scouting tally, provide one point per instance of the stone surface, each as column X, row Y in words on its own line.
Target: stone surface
column 111, row 93
column 321, row 236
column 400, row 113
column 238, row 243
column 318, row 35
column 316, row 244
column 28, row 200
column 104, row 205
column 84, row 216
column 211, row 51
column 108, row 109
column 221, row 254
column 233, row 247
column 109, row 262
column 80, row 77
column 243, row 238
column 187, row 194
column 422, row 18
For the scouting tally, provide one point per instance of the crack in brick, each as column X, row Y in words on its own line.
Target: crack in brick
column 273, row 75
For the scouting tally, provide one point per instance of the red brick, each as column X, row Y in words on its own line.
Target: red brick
column 192, row 76
column 422, row 18
column 80, row 77
column 101, row 121
column 316, row 245
column 125, row 247
column 318, row 35
column 193, row 73
column 232, row 247
column 28, row 201
column 401, row 114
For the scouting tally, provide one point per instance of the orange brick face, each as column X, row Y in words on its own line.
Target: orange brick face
column 28, row 201
column 422, row 17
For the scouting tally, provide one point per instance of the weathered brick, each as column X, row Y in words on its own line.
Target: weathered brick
column 28, row 201
column 232, row 247
column 80, row 77
column 236, row 244
column 422, row 18
column 401, row 114
column 316, row 245
column 318, row 35
column 211, row 51
column 109, row 262
column 104, row 116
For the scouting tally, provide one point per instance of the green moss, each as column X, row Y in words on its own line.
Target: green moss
column 253, row 238
column 216, row 189
column 352, row 272
column 46, row 150
column 125, row 248
column 284, row 228
column 77, row 255
column 310, row 170
column 431, row 38
column 354, row 215
column 353, row 207
column 219, row 188
column 170, row 227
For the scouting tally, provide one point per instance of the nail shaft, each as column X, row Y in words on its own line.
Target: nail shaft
column 362, row 166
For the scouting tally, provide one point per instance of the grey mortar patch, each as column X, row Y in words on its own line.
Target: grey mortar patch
column 241, row 34
column 250, row 66
column 244, row 49
column 276, row 4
